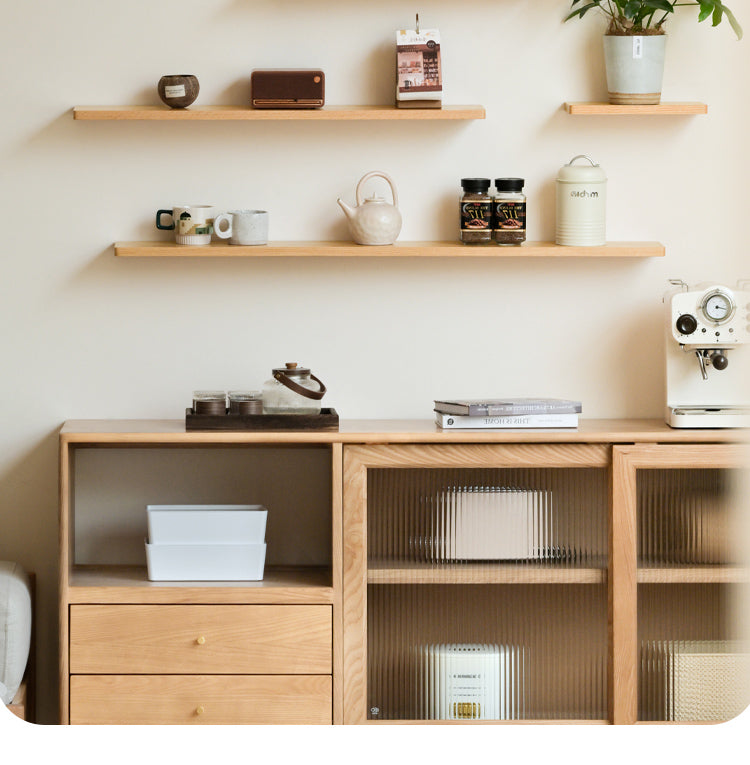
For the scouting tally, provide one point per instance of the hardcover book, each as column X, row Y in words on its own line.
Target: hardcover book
column 563, row 420
column 499, row 407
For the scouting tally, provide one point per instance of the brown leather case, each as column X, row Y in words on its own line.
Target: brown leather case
column 287, row 88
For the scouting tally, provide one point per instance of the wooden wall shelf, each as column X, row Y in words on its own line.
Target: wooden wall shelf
column 665, row 108
column 192, row 113
column 451, row 249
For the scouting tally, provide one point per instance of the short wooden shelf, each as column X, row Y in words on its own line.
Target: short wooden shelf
column 694, row 575
column 130, row 584
column 192, row 113
column 482, row 573
column 665, row 108
column 450, row 249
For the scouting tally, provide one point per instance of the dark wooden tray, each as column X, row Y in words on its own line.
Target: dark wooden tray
column 328, row 419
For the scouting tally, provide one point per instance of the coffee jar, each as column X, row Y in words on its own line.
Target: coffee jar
column 581, row 204
column 292, row 390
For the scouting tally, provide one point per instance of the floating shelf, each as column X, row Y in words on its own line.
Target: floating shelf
column 452, row 249
column 248, row 113
column 666, row 108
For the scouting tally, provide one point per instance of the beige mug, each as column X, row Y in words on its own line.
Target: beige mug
column 192, row 224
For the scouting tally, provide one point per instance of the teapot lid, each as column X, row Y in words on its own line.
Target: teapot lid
column 374, row 198
column 290, row 369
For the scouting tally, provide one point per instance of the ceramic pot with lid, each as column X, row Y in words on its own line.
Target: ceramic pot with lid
column 292, row 390
column 581, row 204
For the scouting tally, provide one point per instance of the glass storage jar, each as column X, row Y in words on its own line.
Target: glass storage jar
column 292, row 390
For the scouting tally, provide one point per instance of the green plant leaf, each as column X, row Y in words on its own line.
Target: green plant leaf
column 733, row 23
column 706, row 9
column 658, row 5
column 580, row 12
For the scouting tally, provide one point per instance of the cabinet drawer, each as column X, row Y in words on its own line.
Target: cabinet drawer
column 166, row 639
column 199, row 699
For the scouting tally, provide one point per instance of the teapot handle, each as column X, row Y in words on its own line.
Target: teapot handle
column 306, row 392
column 373, row 174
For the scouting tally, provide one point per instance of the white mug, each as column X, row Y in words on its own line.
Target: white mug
column 243, row 226
column 192, row 224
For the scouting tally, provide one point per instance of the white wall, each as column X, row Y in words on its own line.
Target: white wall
column 86, row 335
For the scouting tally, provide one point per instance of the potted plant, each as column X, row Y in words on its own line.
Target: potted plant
column 635, row 41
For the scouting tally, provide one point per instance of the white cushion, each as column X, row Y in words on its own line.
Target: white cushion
column 15, row 628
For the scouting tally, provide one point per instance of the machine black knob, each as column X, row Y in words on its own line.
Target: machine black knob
column 719, row 360
column 686, row 324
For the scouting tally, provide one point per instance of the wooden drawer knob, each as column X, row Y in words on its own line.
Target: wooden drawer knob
column 200, row 710
column 201, row 640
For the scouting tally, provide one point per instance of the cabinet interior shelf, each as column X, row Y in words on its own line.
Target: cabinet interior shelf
column 192, row 113
column 130, row 584
column 665, row 108
column 483, row 573
column 703, row 574
column 451, row 249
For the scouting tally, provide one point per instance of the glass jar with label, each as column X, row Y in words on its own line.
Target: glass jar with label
column 476, row 211
column 509, row 211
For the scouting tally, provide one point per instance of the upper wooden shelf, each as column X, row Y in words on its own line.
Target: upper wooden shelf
column 386, row 112
column 450, row 249
column 667, row 108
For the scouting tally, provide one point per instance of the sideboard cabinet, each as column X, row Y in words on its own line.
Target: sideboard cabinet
column 412, row 574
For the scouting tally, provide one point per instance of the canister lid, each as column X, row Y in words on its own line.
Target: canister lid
column 290, row 369
column 583, row 173
column 509, row 184
column 475, row 184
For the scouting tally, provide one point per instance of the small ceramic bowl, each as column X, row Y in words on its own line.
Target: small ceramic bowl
column 178, row 90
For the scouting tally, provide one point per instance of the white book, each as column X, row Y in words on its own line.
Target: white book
column 569, row 420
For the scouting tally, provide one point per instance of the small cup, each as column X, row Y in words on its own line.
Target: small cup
column 209, row 402
column 243, row 226
column 178, row 90
column 192, row 224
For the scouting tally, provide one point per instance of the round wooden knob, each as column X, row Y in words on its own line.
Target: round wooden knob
column 201, row 640
column 199, row 710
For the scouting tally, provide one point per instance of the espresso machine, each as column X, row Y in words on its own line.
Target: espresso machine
column 708, row 363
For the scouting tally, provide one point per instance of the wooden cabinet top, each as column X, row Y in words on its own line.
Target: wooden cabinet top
column 618, row 431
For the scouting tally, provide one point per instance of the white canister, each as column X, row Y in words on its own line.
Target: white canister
column 581, row 204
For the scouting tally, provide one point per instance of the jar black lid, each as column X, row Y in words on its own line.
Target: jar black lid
column 475, row 184
column 509, row 184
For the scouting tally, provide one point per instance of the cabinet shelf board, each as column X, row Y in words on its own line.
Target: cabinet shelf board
column 239, row 112
column 694, row 575
column 482, row 573
column 665, row 108
column 130, row 584
column 444, row 249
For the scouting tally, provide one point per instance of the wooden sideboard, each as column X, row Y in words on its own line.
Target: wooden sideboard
column 354, row 592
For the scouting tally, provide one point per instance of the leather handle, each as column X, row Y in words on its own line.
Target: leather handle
column 306, row 392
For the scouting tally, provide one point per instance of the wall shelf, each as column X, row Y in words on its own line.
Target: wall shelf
column 449, row 249
column 664, row 108
column 385, row 112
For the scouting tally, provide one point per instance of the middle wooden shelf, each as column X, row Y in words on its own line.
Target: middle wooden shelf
column 445, row 249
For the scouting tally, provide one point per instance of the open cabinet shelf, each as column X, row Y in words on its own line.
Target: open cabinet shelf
column 665, row 108
column 447, row 249
column 244, row 113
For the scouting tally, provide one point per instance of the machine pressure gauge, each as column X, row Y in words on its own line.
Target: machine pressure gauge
column 718, row 307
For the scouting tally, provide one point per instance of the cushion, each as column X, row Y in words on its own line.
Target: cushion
column 15, row 628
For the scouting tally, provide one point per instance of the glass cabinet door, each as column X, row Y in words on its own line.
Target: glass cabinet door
column 688, row 637
column 482, row 585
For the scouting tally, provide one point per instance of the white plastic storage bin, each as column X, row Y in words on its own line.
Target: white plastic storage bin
column 206, row 524
column 205, row 562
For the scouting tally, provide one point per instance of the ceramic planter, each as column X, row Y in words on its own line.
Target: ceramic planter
column 635, row 67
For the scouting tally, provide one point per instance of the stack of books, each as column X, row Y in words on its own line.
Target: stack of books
column 507, row 413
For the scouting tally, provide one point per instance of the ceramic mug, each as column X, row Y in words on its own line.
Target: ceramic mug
column 243, row 226
column 192, row 224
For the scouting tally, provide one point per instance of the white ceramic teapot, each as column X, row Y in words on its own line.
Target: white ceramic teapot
column 373, row 221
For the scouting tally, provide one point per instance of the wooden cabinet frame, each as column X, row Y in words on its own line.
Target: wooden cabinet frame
column 623, row 563
column 620, row 447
